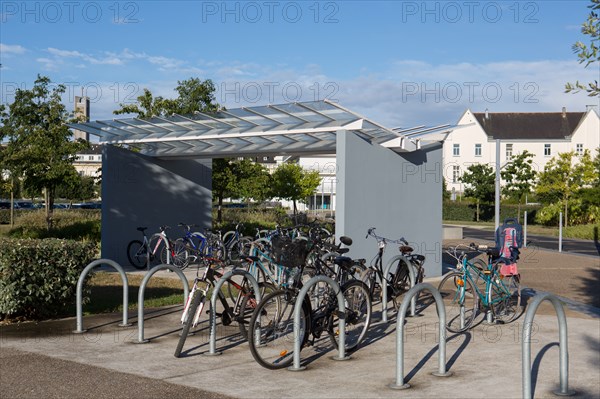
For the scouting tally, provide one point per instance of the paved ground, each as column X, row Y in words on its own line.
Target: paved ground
column 46, row 359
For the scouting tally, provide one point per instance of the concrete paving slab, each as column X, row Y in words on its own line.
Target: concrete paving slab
column 486, row 361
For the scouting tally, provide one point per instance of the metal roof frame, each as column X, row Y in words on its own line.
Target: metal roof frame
column 284, row 129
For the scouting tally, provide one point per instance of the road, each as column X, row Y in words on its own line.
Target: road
column 583, row 247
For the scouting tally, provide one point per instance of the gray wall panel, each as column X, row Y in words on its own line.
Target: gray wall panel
column 143, row 191
column 399, row 194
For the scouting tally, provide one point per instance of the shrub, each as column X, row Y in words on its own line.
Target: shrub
column 252, row 218
column 38, row 278
column 463, row 211
column 72, row 224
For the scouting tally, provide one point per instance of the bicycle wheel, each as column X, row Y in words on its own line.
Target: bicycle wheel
column 369, row 277
column 399, row 280
column 460, row 300
column 271, row 330
column 248, row 304
column 506, row 298
column 357, row 302
column 180, row 256
column 137, row 254
column 239, row 248
column 197, row 298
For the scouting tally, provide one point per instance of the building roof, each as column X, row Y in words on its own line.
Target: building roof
column 529, row 125
column 95, row 149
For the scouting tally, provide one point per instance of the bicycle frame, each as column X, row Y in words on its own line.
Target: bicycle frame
column 490, row 276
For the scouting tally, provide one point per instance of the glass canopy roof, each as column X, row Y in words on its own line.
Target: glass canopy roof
column 285, row 129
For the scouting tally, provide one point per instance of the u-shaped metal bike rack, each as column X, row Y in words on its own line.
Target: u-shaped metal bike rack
column 342, row 322
column 213, row 303
column 441, row 310
column 84, row 273
column 562, row 336
column 186, row 291
column 384, row 293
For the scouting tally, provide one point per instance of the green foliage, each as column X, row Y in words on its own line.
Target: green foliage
column 194, row 95
column 563, row 176
column 38, row 278
column 74, row 224
column 252, row 218
column 38, row 147
column 445, row 192
column 480, row 180
column 77, row 188
column 293, row 183
column 462, row 211
column 519, row 176
column 252, row 181
column 588, row 54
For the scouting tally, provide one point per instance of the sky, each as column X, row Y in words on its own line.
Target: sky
column 400, row 63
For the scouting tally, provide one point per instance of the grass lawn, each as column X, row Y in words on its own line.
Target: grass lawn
column 107, row 292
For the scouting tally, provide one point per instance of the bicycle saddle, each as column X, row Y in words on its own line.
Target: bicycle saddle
column 342, row 250
column 142, row 229
column 344, row 262
column 406, row 249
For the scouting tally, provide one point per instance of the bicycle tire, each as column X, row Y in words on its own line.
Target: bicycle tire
column 399, row 281
column 189, row 319
column 248, row 304
column 506, row 298
column 357, row 301
column 137, row 254
column 458, row 293
column 273, row 318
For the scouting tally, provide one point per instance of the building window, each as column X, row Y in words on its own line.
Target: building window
column 579, row 149
column 477, row 150
column 455, row 173
column 547, row 150
column 456, row 150
column 509, row 151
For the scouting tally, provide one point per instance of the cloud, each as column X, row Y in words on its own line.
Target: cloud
column 11, row 49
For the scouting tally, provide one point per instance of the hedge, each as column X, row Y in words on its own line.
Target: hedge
column 38, row 278
column 463, row 211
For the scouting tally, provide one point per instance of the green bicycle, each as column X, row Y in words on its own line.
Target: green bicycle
column 475, row 285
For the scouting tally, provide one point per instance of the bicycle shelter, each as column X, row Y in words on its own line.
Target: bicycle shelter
column 158, row 171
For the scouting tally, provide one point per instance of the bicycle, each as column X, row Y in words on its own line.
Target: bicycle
column 469, row 285
column 271, row 329
column 235, row 244
column 197, row 245
column 398, row 279
column 242, row 297
column 141, row 254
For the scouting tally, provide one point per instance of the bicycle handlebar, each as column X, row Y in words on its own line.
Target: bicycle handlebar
column 400, row 240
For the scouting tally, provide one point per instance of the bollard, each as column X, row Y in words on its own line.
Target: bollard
column 213, row 303
column 384, row 293
column 525, row 229
column 298, row 308
column 186, row 290
column 563, row 352
column 84, row 273
column 441, row 310
column 560, row 229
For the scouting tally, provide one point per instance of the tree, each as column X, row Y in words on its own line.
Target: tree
column 563, row 176
column 223, row 182
column 481, row 181
column 588, row 54
column 519, row 176
column 253, row 181
column 39, row 145
column 77, row 188
column 293, row 183
column 195, row 95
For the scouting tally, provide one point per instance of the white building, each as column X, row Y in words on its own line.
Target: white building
column 89, row 162
column 545, row 134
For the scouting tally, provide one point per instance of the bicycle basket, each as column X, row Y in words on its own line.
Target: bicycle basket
column 288, row 252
